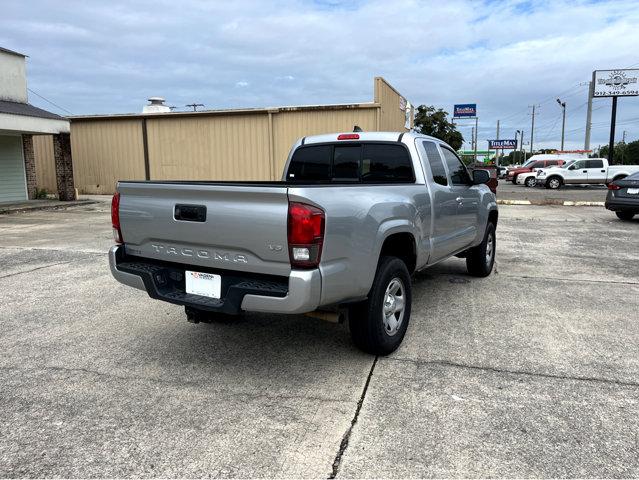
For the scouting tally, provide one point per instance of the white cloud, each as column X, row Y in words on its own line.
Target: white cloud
column 503, row 55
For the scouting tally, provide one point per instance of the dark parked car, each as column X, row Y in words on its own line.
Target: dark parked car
column 623, row 197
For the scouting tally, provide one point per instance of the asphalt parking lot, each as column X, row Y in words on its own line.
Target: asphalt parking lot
column 531, row 372
column 576, row 193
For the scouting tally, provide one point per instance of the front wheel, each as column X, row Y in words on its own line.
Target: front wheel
column 378, row 325
column 480, row 259
column 553, row 183
column 625, row 215
column 531, row 182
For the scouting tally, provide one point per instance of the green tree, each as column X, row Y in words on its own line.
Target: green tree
column 434, row 122
column 625, row 153
column 515, row 158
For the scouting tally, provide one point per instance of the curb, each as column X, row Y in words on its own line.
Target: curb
column 565, row 203
column 74, row 203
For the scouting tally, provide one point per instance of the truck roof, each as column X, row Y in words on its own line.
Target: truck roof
column 363, row 136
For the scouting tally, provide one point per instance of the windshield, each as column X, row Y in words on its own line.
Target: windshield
column 567, row 164
column 528, row 163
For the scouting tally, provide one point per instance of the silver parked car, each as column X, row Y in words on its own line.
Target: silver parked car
column 354, row 215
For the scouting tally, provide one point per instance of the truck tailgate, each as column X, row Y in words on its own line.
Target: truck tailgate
column 236, row 227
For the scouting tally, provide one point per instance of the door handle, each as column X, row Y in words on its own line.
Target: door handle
column 584, row 171
column 603, row 171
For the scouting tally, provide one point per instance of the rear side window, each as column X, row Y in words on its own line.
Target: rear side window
column 594, row 163
column 386, row 164
column 458, row 173
column 537, row 165
column 311, row 164
column 362, row 162
column 554, row 162
column 435, row 162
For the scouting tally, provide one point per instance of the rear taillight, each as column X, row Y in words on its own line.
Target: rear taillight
column 115, row 218
column 612, row 186
column 305, row 234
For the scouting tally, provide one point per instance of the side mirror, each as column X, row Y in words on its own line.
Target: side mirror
column 480, row 176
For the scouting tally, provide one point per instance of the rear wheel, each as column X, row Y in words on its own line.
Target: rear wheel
column 625, row 215
column 531, row 182
column 480, row 259
column 378, row 325
column 553, row 183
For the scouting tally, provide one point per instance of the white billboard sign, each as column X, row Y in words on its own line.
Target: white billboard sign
column 616, row 83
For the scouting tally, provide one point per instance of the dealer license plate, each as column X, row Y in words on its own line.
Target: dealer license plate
column 633, row 191
column 204, row 284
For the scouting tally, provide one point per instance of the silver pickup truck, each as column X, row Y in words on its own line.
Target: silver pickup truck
column 354, row 215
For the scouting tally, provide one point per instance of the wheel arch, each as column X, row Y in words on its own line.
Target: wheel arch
column 401, row 245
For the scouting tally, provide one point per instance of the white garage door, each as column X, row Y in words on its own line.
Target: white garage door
column 12, row 182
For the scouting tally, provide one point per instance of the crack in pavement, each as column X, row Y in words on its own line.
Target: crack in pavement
column 37, row 249
column 34, row 269
column 531, row 277
column 553, row 376
column 347, row 435
column 178, row 383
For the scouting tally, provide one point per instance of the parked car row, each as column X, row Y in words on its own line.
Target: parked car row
column 554, row 174
column 622, row 180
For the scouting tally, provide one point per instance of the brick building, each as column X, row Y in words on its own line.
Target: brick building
column 19, row 123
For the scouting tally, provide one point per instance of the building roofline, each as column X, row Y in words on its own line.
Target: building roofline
column 13, row 52
column 232, row 111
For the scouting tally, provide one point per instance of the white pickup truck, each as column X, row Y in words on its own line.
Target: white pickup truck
column 586, row 171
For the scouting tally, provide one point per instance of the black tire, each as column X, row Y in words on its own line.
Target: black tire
column 478, row 262
column 531, row 182
column 554, row 183
column 625, row 215
column 514, row 180
column 369, row 330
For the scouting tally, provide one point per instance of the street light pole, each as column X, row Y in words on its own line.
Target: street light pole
column 563, row 121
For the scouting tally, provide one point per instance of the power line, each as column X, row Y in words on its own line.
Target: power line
column 47, row 100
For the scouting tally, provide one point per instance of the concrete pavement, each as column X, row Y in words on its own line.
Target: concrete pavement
column 533, row 371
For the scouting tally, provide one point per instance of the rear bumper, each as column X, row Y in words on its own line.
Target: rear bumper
column 298, row 293
column 618, row 204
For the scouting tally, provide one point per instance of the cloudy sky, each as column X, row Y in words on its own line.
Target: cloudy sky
column 109, row 56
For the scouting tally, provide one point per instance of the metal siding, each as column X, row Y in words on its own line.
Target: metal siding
column 288, row 126
column 225, row 147
column 104, row 152
column 44, row 163
column 392, row 117
column 12, row 180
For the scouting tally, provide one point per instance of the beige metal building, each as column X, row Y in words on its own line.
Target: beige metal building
column 248, row 144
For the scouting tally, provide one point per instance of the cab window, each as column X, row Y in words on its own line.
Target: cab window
column 594, row 163
column 456, row 169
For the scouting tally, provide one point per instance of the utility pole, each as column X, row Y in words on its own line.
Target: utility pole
column 472, row 138
column 591, row 88
column 476, row 133
column 532, row 128
column 523, row 152
column 195, row 105
column 497, row 152
column 624, row 137
column 563, row 121
column 613, row 121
